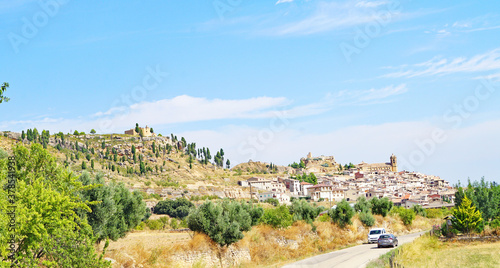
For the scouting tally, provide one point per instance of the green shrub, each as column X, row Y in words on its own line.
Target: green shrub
column 433, row 213
column 343, row 214
column 495, row 223
column 279, row 217
column 173, row 223
column 154, row 224
column 381, row 206
column 367, row 219
column 178, row 208
column 301, row 210
column 407, row 216
column 395, row 210
column 273, row 201
column 362, row 205
column 324, row 218
column 419, row 210
column 141, row 226
column 224, row 223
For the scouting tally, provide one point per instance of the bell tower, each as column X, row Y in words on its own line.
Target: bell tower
column 394, row 163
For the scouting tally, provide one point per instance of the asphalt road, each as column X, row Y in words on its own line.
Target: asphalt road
column 358, row 256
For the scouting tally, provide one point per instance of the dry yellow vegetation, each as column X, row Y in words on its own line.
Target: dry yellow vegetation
column 263, row 245
column 428, row 251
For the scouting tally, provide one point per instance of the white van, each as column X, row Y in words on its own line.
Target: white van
column 374, row 234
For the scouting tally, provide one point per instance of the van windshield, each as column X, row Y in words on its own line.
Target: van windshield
column 375, row 231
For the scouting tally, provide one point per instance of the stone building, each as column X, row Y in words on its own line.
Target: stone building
column 370, row 168
column 145, row 131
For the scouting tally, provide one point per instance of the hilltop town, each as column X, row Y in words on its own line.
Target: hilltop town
column 403, row 188
column 165, row 167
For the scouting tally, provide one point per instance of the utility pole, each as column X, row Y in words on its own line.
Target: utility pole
column 330, row 199
column 251, row 198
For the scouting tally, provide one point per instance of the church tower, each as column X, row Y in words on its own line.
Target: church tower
column 394, row 163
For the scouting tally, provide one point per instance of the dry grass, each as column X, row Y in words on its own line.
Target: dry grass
column 428, row 251
column 266, row 246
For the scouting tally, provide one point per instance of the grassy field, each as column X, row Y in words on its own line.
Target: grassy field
column 428, row 251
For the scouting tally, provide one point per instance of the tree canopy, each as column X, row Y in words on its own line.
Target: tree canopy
column 48, row 230
column 178, row 208
column 224, row 223
column 3, row 88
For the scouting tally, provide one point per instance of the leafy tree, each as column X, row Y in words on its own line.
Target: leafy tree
column 367, row 218
column 342, row 214
column 92, row 163
column 151, row 129
column 407, row 216
column 381, row 206
column 301, row 210
column 273, row 201
column 49, row 232
column 142, row 167
column 92, row 131
column 224, row 223
column 466, row 217
column 3, row 88
column 278, row 217
column 228, row 164
column 76, row 133
column 255, row 212
column 302, row 164
column 178, row 208
column 29, row 134
column 419, row 210
column 485, row 196
column 114, row 209
column 23, row 136
column 84, row 165
column 362, row 205
column 137, row 130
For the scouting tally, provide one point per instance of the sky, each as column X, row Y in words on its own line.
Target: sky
column 266, row 80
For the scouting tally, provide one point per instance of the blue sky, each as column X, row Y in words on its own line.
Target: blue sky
column 266, row 80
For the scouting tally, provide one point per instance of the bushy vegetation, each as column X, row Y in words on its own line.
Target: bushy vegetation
column 342, row 214
column 362, row 205
column 273, row 201
column 302, row 210
column 178, row 208
column 310, row 178
column 367, row 219
column 224, row 223
column 381, row 206
column 407, row 216
column 278, row 217
column 114, row 210
column 485, row 196
column 48, row 231
column 466, row 218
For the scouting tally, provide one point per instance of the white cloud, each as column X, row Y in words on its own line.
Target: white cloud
column 492, row 77
column 371, row 4
column 335, row 15
column 439, row 66
column 370, row 96
column 283, row 1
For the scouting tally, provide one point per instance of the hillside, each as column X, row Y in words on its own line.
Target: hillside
column 161, row 165
column 262, row 167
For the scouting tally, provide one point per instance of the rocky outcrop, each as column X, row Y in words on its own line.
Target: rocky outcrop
column 233, row 256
